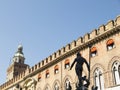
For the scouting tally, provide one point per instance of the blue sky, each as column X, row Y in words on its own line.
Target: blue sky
column 44, row 26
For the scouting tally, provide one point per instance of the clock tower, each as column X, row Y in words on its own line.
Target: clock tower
column 17, row 66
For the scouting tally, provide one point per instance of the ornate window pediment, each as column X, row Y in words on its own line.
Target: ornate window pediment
column 29, row 84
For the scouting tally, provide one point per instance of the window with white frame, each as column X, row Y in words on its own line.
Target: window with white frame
column 98, row 79
column 116, row 72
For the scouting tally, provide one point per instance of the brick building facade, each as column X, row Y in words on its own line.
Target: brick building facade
column 53, row 72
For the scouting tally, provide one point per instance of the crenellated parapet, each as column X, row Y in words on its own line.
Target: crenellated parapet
column 96, row 34
column 111, row 25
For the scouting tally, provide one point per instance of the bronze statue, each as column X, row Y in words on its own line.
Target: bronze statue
column 79, row 60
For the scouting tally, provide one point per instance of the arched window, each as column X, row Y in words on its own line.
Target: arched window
column 56, row 69
column 39, row 77
column 93, row 51
column 110, row 44
column 116, row 72
column 98, row 79
column 56, row 87
column 67, row 63
column 67, row 85
column 47, row 74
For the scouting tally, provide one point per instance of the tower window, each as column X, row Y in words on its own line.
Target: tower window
column 110, row 44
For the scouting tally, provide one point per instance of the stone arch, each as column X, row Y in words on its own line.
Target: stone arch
column 69, row 78
column 47, row 86
column 58, row 83
column 29, row 83
column 115, row 58
column 109, row 67
column 102, row 68
column 97, row 65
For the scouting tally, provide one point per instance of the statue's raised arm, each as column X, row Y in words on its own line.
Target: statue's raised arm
column 72, row 64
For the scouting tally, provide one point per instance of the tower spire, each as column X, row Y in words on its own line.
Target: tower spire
column 17, row 65
column 19, row 56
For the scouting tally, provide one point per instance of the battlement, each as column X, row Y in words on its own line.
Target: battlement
column 109, row 26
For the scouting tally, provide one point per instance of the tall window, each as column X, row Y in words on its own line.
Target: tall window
column 93, row 51
column 110, row 44
column 67, row 85
column 56, row 69
column 56, row 87
column 98, row 79
column 67, row 63
column 116, row 72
